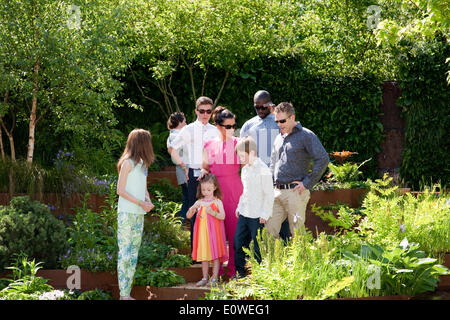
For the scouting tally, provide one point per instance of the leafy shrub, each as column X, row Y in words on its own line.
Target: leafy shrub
column 159, row 278
column 24, row 284
column 165, row 190
column 92, row 237
column 96, row 294
column 167, row 229
column 391, row 216
column 27, row 226
column 322, row 268
column 63, row 178
column 177, row 261
column 403, row 270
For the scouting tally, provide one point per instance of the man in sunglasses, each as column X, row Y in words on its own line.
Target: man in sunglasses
column 193, row 136
column 263, row 129
column 293, row 150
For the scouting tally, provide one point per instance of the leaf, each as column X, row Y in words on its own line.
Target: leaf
column 423, row 261
column 404, row 243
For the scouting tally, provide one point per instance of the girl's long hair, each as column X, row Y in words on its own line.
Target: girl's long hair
column 209, row 178
column 139, row 147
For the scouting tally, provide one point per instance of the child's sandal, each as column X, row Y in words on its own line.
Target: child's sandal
column 202, row 283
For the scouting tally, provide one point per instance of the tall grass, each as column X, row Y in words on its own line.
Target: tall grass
column 17, row 177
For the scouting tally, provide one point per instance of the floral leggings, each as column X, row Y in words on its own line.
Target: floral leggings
column 129, row 236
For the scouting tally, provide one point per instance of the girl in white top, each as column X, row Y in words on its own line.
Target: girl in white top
column 134, row 203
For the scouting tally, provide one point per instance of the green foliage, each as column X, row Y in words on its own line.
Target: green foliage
column 425, row 101
column 167, row 229
column 403, row 270
column 344, row 219
column 347, row 172
column 303, row 269
column 307, row 268
column 24, row 282
column 77, row 87
column 159, row 278
column 165, row 190
column 96, row 294
column 64, row 178
column 390, row 216
column 160, row 133
column 27, row 226
column 92, row 237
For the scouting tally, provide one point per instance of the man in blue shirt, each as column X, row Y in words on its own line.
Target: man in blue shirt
column 263, row 129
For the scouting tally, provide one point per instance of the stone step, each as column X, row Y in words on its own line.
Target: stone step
column 187, row 291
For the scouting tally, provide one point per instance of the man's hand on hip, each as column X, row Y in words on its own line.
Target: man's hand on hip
column 300, row 187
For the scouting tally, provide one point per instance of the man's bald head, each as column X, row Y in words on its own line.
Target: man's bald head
column 262, row 96
column 261, row 99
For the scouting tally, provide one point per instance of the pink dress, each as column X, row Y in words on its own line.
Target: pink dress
column 224, row 164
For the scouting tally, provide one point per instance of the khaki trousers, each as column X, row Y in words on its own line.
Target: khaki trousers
column 288, row 204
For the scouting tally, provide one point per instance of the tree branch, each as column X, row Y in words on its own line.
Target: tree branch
column 148, row 98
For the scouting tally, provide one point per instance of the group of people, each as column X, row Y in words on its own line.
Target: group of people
column 232, row 186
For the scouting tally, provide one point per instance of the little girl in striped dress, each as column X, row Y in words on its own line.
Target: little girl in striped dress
column 209, row 243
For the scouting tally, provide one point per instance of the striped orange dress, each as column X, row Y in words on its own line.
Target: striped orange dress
column 209, row 241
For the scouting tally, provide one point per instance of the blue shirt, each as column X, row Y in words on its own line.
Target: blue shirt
column 264, row 132
column 292, row 155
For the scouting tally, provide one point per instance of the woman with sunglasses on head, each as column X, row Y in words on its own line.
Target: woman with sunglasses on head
column 220, row 159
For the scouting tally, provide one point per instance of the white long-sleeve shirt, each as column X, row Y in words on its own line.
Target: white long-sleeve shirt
column 193, row 137
column 257, row 198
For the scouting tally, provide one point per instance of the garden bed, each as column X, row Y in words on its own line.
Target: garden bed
column 350, row 197
column 61, row 204
column 168, row 172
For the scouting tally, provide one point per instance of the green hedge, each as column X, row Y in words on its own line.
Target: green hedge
column 426, row 107
column 342, row 111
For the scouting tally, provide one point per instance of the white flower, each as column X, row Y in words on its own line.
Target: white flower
column 52, row 295
column 297, row 217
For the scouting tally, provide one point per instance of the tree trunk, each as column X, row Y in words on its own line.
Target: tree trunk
column 9, row 133
column 227, row 73
column 2, row 149
column 32, row 126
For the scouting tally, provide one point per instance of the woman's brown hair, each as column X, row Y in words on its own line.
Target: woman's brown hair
column 139, row 147
column 175, row 119
column 220, row 114
column 209, row 178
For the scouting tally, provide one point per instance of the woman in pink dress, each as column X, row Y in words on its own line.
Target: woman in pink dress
column 220, row 159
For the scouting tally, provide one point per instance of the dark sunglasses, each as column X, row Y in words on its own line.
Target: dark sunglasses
column 228, row 126
column 281, row 121
column 260, row 107
column 202, row 111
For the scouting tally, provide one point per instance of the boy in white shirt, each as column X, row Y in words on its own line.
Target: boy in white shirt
column 255, row 204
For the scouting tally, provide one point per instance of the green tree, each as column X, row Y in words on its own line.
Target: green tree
column 204, row 34
column 61, row 59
